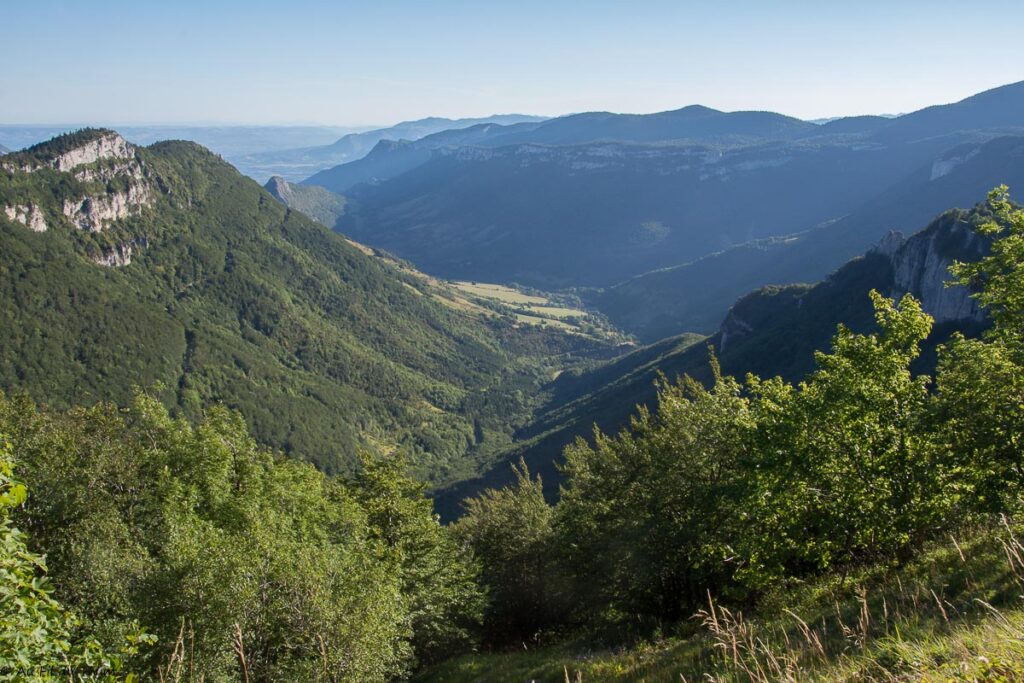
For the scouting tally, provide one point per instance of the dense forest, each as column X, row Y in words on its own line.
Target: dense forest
column 137, row 545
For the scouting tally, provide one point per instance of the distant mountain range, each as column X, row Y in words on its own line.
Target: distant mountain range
column 695, row 295
column 297, row 164
column 596, row 200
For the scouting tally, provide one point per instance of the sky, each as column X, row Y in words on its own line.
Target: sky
column 384, row 61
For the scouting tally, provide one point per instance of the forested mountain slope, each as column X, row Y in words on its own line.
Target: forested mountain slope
column 163, row 267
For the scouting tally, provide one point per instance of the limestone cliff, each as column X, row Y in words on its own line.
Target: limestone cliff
column 318, row 203
column 897, row 265
column 101, row 179
column 921, row 267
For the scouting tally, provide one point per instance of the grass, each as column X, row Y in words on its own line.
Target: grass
column 956, row 613
column 558, row 311
column 501, row 293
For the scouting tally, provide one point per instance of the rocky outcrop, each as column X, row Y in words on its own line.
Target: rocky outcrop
column 318, row 203
column 733, row 326
column 96, row 213
column 921, row 267
column 29, row 215
column 120, row 255
column 945, row 166
column 106, row 146
column 897, row 265
column 104, row 173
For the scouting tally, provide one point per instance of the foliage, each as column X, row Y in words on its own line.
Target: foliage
column 510, row 531
column 998, row 276
column 843, row 470
column 40, row 640
column 437, row 575
column 640, row 520
column 739, row 489
column 221, row 548
column 953, row 613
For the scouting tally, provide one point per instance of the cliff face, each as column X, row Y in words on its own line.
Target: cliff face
column 106, row 146
column 921, row 267
column 102, row 179
column 897, row 265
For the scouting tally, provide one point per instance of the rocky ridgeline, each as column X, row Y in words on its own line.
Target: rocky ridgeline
column 106, row 146
column 921, row 267
column 106, row 160
column 918, row 265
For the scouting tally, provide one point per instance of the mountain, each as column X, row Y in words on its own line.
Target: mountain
column 597, row 214
column 390, row 158
column 691, row 123
column 771, row 331
column 998, row 108
column 323, row 206
column 164, row 268
column 4, row 150
column 233, row 142
column 694, row 122
column 296, row 164
column 566, row 204
column 695, row 296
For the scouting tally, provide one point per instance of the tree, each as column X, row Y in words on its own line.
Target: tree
column 979, row 406
column 510, row 531
column 644, row 517
column 998, row 278
column 40, row 640
column 150, row 519
column 846, row 473
column 438, row 575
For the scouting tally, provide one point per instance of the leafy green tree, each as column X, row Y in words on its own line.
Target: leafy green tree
column 998, row 278
column 979, row 407
column 40, row 640
column 644, row 516
column 846, row 472
column 196, row 531
column 438, row 575
column 510, row 531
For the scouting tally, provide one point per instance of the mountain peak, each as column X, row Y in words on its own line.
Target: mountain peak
column 71, row 150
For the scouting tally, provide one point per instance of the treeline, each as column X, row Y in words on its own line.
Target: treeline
column 736, row 489
column 187, row 553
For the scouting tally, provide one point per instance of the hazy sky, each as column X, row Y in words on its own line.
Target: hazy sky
column 383, row 61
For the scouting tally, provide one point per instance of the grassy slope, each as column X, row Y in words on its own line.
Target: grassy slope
column 953, row 614
column 236, row 299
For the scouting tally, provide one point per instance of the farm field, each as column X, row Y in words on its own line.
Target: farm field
column 536, row 308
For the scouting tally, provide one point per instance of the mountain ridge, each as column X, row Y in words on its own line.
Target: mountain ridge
column 299, row 163
column 211, row 291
